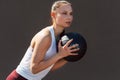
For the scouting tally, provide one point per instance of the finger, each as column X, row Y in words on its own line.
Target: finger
column 68, row 43
column 74, row 50
column 59, row 44
column 74, row 46
column 74, row 54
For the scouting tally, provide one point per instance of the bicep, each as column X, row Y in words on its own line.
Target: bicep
column 40, row 48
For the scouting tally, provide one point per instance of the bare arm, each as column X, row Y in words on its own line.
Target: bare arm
column 59, row 64
column 41, row 45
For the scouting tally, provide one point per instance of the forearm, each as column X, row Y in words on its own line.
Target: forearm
column 45, row 64
column 59, row 64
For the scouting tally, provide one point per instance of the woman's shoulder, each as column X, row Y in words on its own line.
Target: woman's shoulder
column 43, row 34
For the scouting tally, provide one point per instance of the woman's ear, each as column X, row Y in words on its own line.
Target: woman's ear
column 52, row 14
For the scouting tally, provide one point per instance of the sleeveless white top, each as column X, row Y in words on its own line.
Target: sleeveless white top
column 24, row 67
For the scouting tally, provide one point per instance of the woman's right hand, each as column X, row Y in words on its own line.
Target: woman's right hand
column 67, row 50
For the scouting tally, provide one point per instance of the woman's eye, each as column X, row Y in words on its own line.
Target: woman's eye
column 64, row 13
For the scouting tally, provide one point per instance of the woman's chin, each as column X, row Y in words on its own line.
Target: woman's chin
column 67, row 26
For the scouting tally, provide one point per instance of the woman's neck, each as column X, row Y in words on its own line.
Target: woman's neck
column 58, row 29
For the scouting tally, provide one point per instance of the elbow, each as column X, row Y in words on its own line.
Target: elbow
column 33, row 69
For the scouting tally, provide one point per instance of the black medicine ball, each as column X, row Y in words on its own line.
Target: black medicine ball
column 79, row 39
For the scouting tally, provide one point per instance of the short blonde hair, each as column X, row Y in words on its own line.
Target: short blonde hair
column 58, row 3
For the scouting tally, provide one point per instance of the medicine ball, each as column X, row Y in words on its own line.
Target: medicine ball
column 77, row 39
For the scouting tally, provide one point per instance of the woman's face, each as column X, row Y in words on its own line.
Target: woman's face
column 63, row 16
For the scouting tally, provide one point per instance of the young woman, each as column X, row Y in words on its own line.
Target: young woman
column 41, row 56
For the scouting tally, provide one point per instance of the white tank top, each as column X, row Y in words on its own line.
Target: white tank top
column 24, row 67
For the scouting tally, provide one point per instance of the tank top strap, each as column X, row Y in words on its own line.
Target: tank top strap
column 52, row 32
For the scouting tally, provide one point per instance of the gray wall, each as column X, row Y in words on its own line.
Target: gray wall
column 97, row 20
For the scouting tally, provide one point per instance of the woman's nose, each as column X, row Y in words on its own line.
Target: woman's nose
column 69, row 17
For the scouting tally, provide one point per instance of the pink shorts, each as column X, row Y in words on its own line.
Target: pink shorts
column 15, row 76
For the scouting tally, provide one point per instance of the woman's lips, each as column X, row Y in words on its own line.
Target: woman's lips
column 68, row 23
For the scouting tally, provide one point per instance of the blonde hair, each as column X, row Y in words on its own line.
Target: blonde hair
column 58, row 3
